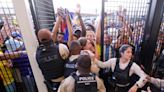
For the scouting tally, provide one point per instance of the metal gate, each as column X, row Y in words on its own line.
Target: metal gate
column 15, row 70
column 125, row 22
column 42, row 13
column 132, row 22
column 160, row 40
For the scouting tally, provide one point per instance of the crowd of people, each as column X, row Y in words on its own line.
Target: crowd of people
column 15, row 68
column 74, row 65
column 78, row 64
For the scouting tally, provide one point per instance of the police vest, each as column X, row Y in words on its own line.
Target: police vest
column 85, row 83
column 50, row 61
column 121, row 77
column 70, row 67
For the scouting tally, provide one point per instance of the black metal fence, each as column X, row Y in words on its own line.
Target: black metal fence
column 160, row 40
column 125, row 22
column 42, row 13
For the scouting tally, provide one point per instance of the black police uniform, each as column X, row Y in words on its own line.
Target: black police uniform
column 70, row 67
column 120, row 80
column 85, row 83
column 51, row 63
column 159, row 72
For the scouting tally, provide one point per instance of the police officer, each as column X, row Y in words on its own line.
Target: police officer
column 159, row 83
column 74, row 49
column 51, row 59
column 122, row 69
column 159, row 69
column 83, row 80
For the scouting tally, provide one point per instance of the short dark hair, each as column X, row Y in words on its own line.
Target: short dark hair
column 82, row 41
column 124, row 47
column 84, row 63
column 75, row 47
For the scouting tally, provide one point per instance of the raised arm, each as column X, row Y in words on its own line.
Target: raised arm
column 70, row 30
column 56, row 27
column 98, row 33
column 78, row 9
column 83, row 33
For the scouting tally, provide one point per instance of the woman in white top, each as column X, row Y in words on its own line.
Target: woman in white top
column 122, row 69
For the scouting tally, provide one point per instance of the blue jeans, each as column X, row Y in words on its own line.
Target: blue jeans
column 10, row 87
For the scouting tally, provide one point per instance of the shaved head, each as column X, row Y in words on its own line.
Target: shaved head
column 44, row 35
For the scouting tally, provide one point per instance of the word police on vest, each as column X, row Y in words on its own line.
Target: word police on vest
column 86, row 80
column 70, row 66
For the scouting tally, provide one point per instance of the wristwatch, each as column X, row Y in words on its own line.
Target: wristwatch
column 137, row 85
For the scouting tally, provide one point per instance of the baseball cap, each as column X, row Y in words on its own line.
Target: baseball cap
column 77, row 31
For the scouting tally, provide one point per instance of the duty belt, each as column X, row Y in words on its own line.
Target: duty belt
column 121, row 85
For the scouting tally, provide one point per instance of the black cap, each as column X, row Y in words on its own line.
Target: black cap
column 77, row 33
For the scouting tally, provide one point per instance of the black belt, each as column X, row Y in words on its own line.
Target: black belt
column 121, row 85
column 52, row 85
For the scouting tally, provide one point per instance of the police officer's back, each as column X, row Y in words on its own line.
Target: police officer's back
column 83, row 80
column 51, row 59
column 70, row 64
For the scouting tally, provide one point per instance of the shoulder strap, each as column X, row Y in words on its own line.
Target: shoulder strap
column 75, row 60
column 117, row 64
column 130, row 64
column 68, row 61
column 74, row 75
column 117, row 61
